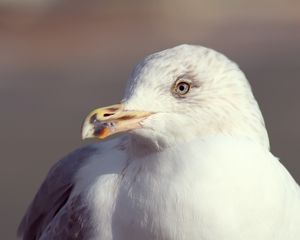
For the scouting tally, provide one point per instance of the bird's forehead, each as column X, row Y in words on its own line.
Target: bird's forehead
column 160, row 69
column 178, row 61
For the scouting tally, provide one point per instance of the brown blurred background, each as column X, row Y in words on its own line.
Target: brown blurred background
column 61, row 58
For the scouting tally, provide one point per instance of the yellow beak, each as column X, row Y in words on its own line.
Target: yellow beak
column 110, row 120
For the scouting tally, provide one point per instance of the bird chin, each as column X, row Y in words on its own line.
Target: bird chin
column 143, row 134
column 148, row 140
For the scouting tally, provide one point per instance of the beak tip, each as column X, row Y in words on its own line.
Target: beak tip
column 83, row 137
column 87, row 131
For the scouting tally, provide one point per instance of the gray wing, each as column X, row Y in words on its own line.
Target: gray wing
column 50, row 202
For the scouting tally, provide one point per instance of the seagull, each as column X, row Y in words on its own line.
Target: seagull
column 189, row 160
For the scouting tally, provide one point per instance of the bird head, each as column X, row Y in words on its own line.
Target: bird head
column 179, row 94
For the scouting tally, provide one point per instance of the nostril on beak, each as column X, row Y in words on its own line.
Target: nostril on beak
column 108, row 114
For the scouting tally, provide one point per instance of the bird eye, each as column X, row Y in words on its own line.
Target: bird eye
column 181, row 88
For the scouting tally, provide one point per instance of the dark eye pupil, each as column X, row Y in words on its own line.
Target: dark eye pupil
column 181, row 87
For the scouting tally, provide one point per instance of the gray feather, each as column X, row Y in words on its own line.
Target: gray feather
column 71, row 222
column 50, row 201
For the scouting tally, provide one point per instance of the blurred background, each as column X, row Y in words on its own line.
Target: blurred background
column 59, row 59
